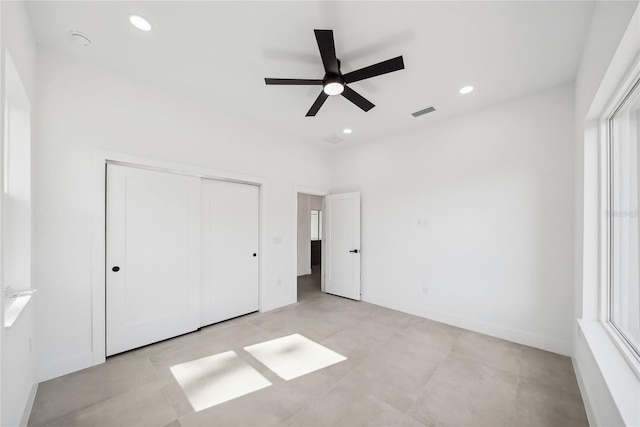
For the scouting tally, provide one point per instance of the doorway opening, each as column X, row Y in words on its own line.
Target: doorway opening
column 309, row 246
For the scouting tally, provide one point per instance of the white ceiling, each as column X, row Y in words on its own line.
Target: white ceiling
column 221, row 52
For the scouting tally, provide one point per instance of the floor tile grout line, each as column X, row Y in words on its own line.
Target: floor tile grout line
column 88, row 406
column 53, row 421
column 432, row 375
column 168, row 398
column 166, row 392
column 332, row 387
column 515, row 400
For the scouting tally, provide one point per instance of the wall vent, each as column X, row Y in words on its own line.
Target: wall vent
column 422, row 112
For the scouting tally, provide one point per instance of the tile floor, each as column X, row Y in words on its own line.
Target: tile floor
column 401, row 370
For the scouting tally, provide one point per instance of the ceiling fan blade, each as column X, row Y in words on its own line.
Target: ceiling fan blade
column 327, row 51
column 357, row 99
column 292, row 81
column 374, row 70
column 316, row 105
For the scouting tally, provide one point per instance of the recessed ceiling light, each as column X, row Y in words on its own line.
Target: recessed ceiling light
column 347, row 131
column 140, row 23
column 465, row 90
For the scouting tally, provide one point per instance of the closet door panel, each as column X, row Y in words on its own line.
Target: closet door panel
column 230, row 250
column 153, row 256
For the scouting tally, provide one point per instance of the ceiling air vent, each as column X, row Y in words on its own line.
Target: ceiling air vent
column 422, row 112
column 333, row 139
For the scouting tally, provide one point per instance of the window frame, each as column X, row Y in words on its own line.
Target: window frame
column 319, row 230
column 624, row 91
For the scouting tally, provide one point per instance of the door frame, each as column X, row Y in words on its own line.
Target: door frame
column 100, row 161
column 313, row 192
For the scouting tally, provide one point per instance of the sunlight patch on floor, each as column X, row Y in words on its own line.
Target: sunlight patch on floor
column 293, row 356
column 215, row 379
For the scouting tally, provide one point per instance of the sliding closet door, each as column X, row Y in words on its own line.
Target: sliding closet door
column 153, row 256
column 230, row 250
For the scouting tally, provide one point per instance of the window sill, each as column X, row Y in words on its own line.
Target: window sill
column 623, row 348
column 14, row 308
column 620, row 378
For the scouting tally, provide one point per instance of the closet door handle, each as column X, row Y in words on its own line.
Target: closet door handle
column 115, row 269
column 254, row 254
column 355, row 251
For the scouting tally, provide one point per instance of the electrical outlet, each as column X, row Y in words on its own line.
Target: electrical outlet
column 279, row 282
column 425, row 289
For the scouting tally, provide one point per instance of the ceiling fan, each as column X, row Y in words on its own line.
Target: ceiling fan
column 334, row 82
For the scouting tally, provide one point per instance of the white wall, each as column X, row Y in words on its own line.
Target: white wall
column 611, row 391
column 304, row 234
column 316, row 203
column 19, row 379
column 82, row 108
column 495, row 187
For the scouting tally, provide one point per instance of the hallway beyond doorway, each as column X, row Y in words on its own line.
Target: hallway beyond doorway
column 309, row 286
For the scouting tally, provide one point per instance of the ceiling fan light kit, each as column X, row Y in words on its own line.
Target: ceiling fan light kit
column 333, row 86
column 334, row 82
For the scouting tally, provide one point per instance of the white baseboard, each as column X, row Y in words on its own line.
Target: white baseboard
column 272, row 304
column 60, row 367
column 584, row 392
column 513, row 335
column 29, row 406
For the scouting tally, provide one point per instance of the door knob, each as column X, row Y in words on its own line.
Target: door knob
column 355, row 251
column 115, row 269
column 254, row 254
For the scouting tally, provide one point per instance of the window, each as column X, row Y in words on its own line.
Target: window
column 5, row 144
column 623, row 221
column 316, row 225
column 15, row 212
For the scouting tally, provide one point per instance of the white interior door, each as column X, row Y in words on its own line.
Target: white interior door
column 153, row 256
column 230, row 250
column 341, row 263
